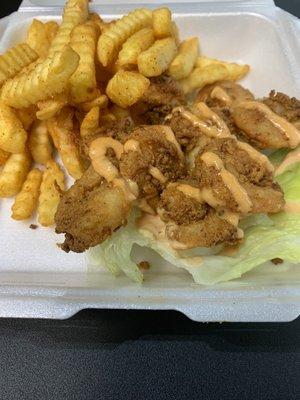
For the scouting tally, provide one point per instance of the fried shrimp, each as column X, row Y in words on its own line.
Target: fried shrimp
column 191, row 222
column 90, row 211
column 151, row 158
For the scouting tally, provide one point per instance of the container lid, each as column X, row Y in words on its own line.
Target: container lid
column 34, row 4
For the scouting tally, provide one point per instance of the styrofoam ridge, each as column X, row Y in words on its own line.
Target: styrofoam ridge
column 38, row 280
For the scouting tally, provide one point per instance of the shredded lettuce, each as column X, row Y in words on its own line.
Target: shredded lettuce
column 266, row 237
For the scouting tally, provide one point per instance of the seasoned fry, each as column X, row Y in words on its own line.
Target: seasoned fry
column 235, row 71
column 83, row 82
column 51, row 28
column 65, row 140
column 90, row 122
column 14, row 173
column 120, row 112
column 27, row 116
column 48, row 79
column 138, row 42
column 98, row 21
column 12, row 134
column 100, row 101
column 53, row 181
column 184, row 62
column 204, row 76
column 51, row 122
column 39, row 143
column 49, row 108
column 156, row 60
column 3, row 156
column 26, row 200
column 126, row 88
column 175, row 33
column 75, row 13
column 14, row 60
column 113, row 38
column 162, row 23
column 37, row 38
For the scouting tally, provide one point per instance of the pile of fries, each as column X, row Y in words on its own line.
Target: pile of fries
column 67, row 80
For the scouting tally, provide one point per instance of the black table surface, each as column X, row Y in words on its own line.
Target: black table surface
column 101, row 354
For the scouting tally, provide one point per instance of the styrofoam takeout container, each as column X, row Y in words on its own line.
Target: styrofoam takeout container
column 38, row 280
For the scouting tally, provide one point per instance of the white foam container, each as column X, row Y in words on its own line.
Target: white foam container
column 39, row 280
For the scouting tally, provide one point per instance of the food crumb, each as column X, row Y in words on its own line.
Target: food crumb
column 144, row 265
column 33, row 226
column 277, row 261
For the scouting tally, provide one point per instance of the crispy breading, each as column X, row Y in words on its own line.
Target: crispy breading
column 163, row 94
column 155, row 151
column 89, row 212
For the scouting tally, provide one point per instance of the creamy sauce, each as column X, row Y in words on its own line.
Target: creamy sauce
column 192, row 156
column 229, row 216
column 288, row 130
column 190, row 191
column 208, row 122
column 239, row 194
column 211, row 119
column 169, row 134
column 132, row 145
column 128, row 187
column 154, row 225
column 292, row 207
column 256, row 156
column 291, row 158
column 101, row 164
column 144, row 206
column 157, row 174
column 219, row 94
column 230, row 251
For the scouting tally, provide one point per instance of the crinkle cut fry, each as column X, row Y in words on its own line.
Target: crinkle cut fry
column 47, row 79
column 111, row 40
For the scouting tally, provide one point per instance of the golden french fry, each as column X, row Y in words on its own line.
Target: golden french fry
column 51, row 28
column 37, row 38
column 14, row 60
column 204, row 76
column 26, row 200
column 175, row 33
column 162, row 23
column 107, row 119
column 126, row 88
column 100, row 101
column 12, row 134
column 52, row 131
column 48, row 79
column 83, row 82
column 14, row 173
column 66, row 140
column 75, row 13
column 98, row 21
column 113, row 38
column 184, row 62
column 3, row 156
column 235, row 71
column 39, row 143
column 52, row 182
column 26, row 116
column 138, row 42
column 156, row 60
column 90, row 122
column 120, row 112
column 49, row 108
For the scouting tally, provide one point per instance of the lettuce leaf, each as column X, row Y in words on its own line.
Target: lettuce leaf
column 266, row 237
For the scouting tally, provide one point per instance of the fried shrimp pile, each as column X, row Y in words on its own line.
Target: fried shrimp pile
column 196, row 167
